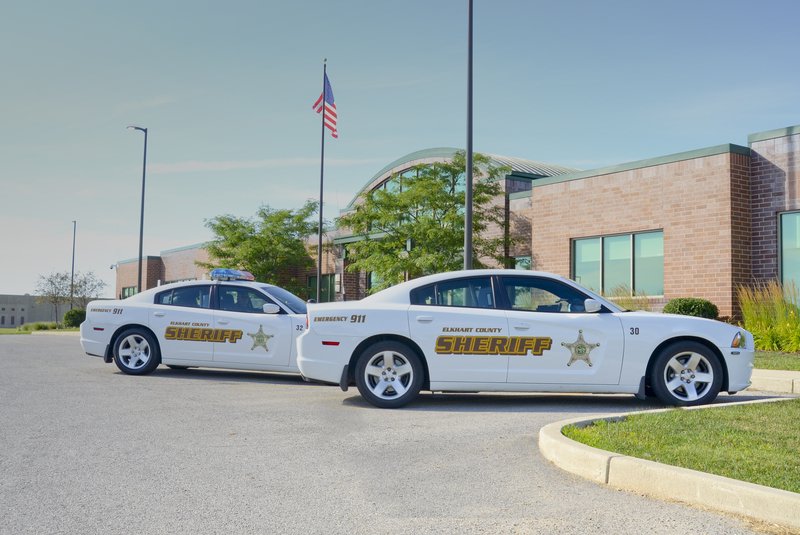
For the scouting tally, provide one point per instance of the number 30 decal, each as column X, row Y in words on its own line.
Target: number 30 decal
column 634, row 331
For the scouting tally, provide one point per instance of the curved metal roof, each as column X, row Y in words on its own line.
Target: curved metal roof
column 518, row 166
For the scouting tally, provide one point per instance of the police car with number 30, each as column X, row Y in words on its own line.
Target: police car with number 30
column 515, row 331
column 230, row 321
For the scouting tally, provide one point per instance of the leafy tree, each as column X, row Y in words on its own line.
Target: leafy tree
column 87, row 287
column 54, row 289
column 418, row 229
column 272, row 246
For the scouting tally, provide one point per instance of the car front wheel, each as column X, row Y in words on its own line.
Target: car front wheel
column 389, row 374
column 686, row 373
column 136, row 352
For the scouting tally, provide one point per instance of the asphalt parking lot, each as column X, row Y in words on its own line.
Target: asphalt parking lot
column 86, row 449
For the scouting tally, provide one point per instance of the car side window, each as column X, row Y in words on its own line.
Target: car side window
column 542, row 295
column 475, row 292
column 187, row 296
column 240, row 299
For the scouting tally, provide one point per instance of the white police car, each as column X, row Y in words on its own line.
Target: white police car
column 517, row 331
column 227, row 322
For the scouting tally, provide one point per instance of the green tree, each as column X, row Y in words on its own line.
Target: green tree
column 272, row 245
column 54, row 289
column 418, row 228
column 88, row 286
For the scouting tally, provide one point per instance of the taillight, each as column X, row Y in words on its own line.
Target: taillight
column 306, row 320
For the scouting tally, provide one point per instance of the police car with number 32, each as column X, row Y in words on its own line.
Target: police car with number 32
column 230, row 321
column 515, row 331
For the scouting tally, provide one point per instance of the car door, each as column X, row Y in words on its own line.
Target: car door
column 584, row 348
column 460, row 330
column 263, row 339
column 181, row 320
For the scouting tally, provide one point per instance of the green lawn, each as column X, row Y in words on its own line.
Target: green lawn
column 758, row 443
column 13, row 331
column 774, row 360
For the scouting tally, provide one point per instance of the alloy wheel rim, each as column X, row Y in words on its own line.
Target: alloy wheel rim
column 688, row 376
column 134, row 352
column 388, row 375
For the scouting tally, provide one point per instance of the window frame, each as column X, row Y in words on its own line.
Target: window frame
column 492, row 283
column 632, row 236
column 208, row 287
column 779, row 246
column 505, row 304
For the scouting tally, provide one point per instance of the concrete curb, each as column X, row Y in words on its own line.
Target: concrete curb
column 667, row 482
column 57, row 333
column 775, row 381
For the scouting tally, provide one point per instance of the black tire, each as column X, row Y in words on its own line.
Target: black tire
column 389, row 374
column 686, row 374
column 136, row 352
column 176, row 367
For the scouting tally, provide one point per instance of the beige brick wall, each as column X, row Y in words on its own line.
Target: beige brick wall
column 689, row 200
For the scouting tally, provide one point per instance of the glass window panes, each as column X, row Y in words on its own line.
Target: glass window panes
column 522, row 262
column 790, row 249
column 605, row 264
column 587, row 263
column 475, row 292
column 617, row 264
column 188, row 296
column 542, row 295
column 240, row 299
column 327, row 289
column 648, row 263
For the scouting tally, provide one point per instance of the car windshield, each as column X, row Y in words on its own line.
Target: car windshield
column 288, row 299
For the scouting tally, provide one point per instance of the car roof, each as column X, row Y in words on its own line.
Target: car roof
column 147, row 295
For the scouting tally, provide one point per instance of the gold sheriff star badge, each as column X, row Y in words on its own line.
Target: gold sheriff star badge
column 580, row 350
column 260, row 339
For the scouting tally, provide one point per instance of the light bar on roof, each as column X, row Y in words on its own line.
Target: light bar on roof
column 224, row 274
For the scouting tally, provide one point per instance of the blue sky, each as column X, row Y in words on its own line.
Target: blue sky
column 225, row 89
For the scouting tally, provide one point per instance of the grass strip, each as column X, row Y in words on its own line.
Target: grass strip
column 758, row 443
column 13, row 331
column 775, row 360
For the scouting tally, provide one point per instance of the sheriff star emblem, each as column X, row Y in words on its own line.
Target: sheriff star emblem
column 580, row 350
column 260, row 339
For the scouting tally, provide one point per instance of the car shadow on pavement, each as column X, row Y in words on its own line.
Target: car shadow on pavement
column 229, row 376
column 541, row 402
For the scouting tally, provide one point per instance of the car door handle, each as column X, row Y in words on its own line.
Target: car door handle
column 159, row 314
column 424, row 319
column 223, row 322
column 522, row 327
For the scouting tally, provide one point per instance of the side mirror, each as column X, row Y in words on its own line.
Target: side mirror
column 591, row 306
column 271, row 308
column 311, row 301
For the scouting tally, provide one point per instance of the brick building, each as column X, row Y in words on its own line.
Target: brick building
column 698, row 223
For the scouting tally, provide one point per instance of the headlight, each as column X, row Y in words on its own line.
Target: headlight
column 738, row 341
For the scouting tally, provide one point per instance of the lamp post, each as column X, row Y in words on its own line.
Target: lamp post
column 72, row 276
column 468, row 189
column 141, row 216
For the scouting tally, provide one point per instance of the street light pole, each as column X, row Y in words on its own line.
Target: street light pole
column 141, row 215
column 72, row 276
column 468, row 189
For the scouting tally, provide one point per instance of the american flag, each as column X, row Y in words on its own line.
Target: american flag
column 330, row 107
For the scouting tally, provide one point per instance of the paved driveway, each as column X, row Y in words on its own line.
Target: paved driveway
column 86, row 449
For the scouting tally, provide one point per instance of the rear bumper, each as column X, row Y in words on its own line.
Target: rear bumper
column 320, row 362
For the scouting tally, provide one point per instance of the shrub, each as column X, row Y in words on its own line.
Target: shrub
column 74, row 317
column 692, row 306
column 43, row 326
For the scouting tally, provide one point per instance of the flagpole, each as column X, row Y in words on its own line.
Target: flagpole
column 468, row 185
column 321, row 181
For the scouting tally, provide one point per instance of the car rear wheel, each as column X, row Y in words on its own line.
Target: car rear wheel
column 389, row 374
column 686, row 373
column 136, row 352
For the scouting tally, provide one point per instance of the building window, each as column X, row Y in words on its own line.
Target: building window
column 621, row 263
column 522, row 262
column 128, row 291
column 327, row 289
column 2, row 320
column 790, row 249
column 12, row 320
column 21, row 320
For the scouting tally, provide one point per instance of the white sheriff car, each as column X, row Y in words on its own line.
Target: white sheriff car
column 230, row 322
column 517, row 331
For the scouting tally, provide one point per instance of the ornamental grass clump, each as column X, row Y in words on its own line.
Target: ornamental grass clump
column 626, row 298
column 770, row 312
